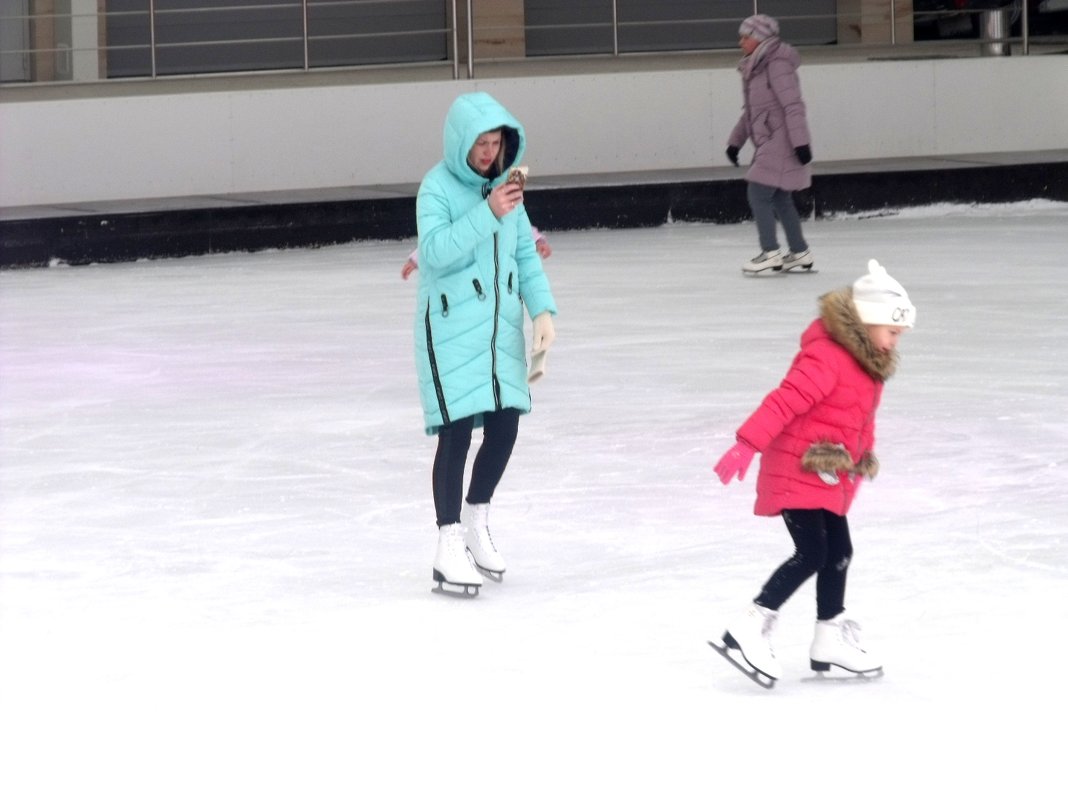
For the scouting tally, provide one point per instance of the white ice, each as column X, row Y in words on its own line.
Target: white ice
column 217, row 531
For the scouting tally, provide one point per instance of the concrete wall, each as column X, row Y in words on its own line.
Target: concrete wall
column 232, row 142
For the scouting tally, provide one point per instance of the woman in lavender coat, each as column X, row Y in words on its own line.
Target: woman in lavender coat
column 773, row 117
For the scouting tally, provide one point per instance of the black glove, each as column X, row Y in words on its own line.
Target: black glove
column 732, row 155
column 804, row 154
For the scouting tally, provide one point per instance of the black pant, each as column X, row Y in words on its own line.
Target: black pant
column 499, row 431
column 822, row 547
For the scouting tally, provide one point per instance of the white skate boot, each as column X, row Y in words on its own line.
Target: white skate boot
column 488, row 559
column 765, row 260
column 453, row 570
column 751, row 634
column 837, row 642
column 798, row 261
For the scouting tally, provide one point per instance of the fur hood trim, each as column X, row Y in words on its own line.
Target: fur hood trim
column 840, row 318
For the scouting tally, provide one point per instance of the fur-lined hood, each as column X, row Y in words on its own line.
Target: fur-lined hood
column 840, row 318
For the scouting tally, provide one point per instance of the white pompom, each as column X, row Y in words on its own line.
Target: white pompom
column 875, row 268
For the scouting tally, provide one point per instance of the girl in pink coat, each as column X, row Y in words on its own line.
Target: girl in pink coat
column 816, row 436
column 773, row 118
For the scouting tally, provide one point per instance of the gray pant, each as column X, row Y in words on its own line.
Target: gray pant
column 768, row 204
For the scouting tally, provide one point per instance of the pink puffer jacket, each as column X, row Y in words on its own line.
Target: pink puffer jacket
column 816, row 431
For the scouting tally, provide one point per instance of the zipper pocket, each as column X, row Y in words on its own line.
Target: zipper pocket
column 478, row 289
column 444, row 306
column 438, row 389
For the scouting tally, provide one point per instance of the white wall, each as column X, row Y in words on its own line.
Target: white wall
column 226, row 142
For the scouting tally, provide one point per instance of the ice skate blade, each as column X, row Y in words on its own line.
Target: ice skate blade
column 771, row 273
column 821, row 672
column 492, row 575
column 455, row 590
column 725, row 649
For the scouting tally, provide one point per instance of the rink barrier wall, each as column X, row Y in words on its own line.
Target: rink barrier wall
column 628, row 201
column 139, row 170
column 74, row 146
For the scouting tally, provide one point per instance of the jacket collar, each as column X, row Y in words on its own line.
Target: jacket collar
column 839, row 316
column 749, row 63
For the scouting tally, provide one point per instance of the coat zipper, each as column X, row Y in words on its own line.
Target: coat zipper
column 496, row 322
column 434, row 367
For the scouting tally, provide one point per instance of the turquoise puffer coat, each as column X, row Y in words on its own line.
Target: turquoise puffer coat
column 476, row 273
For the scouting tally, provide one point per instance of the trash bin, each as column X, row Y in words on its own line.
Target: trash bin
column 995, row 27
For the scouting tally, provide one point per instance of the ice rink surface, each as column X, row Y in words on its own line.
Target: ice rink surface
column 216, row 531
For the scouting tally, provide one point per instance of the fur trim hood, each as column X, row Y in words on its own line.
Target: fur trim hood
column 840, row 318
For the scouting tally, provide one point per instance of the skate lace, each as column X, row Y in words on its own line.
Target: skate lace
column 767, row 625
column 455, row 545
column 481, row 527
column 851, row 633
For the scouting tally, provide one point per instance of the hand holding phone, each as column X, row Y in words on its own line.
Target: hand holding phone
column 518, row 175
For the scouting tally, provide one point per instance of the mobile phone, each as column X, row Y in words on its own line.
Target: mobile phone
column 518, row 175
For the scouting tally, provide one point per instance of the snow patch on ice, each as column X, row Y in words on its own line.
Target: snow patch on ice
column 946, row 210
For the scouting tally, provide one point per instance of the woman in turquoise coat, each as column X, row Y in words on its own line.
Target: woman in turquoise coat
column 479, row 269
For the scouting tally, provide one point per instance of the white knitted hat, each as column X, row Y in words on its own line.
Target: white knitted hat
column 880, row 300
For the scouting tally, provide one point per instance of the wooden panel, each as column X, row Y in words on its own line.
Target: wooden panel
column 868, row 21
column 499, row 29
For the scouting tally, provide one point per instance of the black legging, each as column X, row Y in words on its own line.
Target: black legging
column 499, row 431
column 822, row 546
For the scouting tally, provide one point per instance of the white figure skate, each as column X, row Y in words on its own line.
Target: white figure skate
column 487, row 558
column 453, row 570
column 837, row 643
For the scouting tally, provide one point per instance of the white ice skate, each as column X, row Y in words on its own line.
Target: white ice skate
column 765, row 260
column 487, row 558
column 802, row 261
column 837, row 642
column 750, row 634
column 453, row 570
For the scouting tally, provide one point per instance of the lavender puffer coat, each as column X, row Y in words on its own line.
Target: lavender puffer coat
column 773, row 116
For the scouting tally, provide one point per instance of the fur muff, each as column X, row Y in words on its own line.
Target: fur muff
column 868, row 466
column 827, row 457
column 831, row 457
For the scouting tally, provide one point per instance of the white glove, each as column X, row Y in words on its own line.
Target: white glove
column 544, row 333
